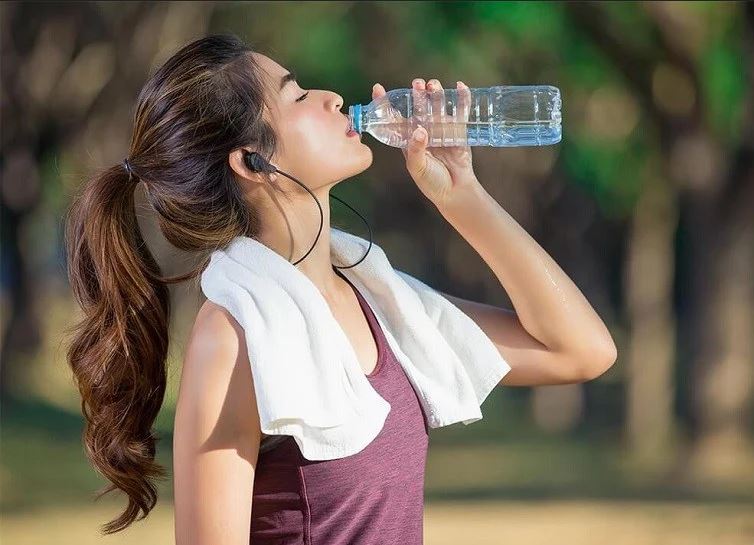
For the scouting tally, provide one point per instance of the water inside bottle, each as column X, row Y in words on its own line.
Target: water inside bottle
column 474, row 133
column 495, row 116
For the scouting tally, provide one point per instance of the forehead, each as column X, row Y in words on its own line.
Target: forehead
column 273, row 70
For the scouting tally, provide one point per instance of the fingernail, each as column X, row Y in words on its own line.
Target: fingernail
column 418, row 135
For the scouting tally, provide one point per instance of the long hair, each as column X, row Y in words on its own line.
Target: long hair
column 202, row 103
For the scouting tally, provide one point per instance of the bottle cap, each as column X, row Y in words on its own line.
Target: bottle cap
column 354, row 112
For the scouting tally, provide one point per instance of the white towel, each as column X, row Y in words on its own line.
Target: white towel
column 307, row 378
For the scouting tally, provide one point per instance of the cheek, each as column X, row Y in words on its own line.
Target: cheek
column 314, row 147
column 311, row 131
column 312, row 138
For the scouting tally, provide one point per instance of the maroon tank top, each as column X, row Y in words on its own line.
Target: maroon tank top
column 375, row 496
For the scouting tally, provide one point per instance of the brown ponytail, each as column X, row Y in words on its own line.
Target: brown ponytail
column 119, row 352
column 204, row 102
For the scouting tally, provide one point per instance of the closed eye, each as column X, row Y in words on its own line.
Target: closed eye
column 302, row 97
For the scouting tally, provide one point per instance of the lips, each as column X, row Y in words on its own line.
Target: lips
column 350, row 132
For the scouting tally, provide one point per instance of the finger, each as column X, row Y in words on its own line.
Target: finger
column 418, row 111
column 377, row 90
column 437, row 105
column 416, row 159
column 464, row 101
column 437, row 101
column 462, row 111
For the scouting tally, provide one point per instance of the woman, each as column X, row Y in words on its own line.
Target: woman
column 198, row 119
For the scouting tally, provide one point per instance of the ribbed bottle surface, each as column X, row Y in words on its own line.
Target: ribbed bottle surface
column 500, row 116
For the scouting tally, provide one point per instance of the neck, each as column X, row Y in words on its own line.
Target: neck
column 290, row 231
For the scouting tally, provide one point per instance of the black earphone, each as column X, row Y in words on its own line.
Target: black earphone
column 256, row 163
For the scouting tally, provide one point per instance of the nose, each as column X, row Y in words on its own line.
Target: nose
column 336, row 101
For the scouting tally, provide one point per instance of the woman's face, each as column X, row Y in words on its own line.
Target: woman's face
column 311, row 128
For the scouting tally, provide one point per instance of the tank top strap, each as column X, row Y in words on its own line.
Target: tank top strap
column 382, row 344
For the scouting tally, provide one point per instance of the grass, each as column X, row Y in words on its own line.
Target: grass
column 566, row 522
column 43, row 463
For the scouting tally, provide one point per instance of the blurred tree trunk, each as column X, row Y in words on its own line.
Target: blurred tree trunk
column 723, row 365
column 722, row 316
column 715, row 198
column 723, row 370
column 651, row 356
column 19, row 197
column 650, row 267
column 47, row 109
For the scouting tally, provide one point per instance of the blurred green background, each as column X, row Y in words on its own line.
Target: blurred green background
column 647, row 204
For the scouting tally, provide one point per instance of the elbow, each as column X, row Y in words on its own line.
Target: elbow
column 599, row 358
column 608, row 356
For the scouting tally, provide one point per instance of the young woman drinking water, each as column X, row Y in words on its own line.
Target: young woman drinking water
column 230, row 151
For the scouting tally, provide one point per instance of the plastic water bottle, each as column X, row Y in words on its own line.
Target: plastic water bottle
column 513, row 115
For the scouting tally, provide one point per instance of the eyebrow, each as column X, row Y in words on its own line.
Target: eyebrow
column 290, row 76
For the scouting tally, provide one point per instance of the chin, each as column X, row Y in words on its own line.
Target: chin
column 361, row 160
column 352, row 162
column 356, row 170
column 370, row 158
column 367, row 162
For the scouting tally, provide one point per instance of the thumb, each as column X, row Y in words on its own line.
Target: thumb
column 416, row 159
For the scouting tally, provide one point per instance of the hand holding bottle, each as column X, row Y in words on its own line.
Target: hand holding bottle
column 439, row 172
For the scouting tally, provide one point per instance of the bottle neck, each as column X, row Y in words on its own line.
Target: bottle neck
column 354, row 112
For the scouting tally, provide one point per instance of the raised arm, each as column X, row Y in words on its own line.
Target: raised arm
column 217, row 434
column 553, row 335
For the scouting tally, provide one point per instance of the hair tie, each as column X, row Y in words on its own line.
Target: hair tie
column 127, row 166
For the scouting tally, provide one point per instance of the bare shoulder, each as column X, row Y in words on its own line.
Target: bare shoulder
column 216, row 317
column 216, row 370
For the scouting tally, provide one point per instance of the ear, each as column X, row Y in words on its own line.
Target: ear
column 238, row 165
